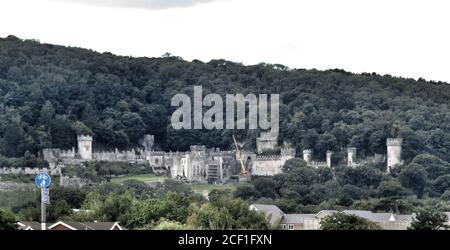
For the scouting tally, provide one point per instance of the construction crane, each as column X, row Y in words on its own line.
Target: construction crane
column 244, row 172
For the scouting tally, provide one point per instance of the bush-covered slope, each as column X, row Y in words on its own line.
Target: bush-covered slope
column 49, row 93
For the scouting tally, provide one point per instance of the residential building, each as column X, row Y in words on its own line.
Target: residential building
column 61, row 225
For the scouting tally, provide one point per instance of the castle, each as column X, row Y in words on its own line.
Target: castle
column 201, row 164
column 197, row 165
column 269, row 165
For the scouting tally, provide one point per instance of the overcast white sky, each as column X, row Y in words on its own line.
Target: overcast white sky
column 408, row 38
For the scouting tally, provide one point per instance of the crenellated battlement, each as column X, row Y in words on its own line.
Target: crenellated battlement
column 394, row 142
column 317, row 164
column 267, row 157
column 158, row 153
column 84, row 138
column 351, row 150
column 288, row 152
column 196, row 148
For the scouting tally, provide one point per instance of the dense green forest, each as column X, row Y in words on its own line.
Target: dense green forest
column 50, row 93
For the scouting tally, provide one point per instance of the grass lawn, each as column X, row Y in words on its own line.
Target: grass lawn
column 143, row 177
column 198, row 188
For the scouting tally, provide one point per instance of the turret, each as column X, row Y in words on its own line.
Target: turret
column 266, row 141
column 351, row 156
column 329, row 154
column 307, row 153
column 287, row 153
column 394, row 152
column 85, row 146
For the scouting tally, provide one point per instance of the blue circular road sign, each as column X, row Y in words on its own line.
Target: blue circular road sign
column 43, row 180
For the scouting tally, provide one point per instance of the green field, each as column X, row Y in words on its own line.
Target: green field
column 198, row 188
column 144, row 178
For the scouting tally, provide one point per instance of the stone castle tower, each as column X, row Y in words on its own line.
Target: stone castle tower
column 266, row 141
column 287, row 153
column 351, row 156
column 307, row 153
column 394, row 152
column 85, row 146
column 328, row 158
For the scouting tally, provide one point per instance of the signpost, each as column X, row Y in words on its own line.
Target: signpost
column 43, row 181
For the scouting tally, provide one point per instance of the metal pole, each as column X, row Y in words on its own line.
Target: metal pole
column 43, row 213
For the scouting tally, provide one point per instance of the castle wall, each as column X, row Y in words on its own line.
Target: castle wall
column 267, row 166
column 195, row 164
column 29, row 171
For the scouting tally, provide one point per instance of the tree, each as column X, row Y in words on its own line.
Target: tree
column 266, row 187
column 441, row 184
column 342, row 221
column 14, row 140
column 115, row 207
column 171, row 206
column 244, row 192
column 364, row 176
column 213, row 218
column 295, row 171
column 57, row 210
column 446, row 196
column 427, row 219
column 217, row 194
column 74, row 197
column 164, row 224
column 326, row 141
column 7, row 220
column 134, row 126
column 226, row 213
column 47, row 113
column 176, row 186
column 355, row 192
column 434, row 166
column 62, row 133
column 414, row 177
column 391, row 188
column 139, row 189
column 81, row 129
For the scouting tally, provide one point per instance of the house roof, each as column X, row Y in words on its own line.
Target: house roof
column 369, row 215
column 271, row 211
column 88, row 225
column 269, row 208
column 405, row 217
column 326, row 212
column 296, row 218
column 32, row 225
column 277, row 214
column 103, row 225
